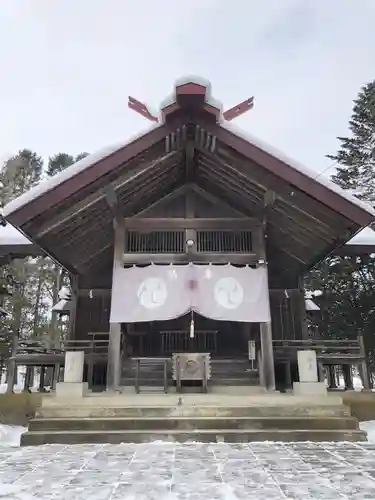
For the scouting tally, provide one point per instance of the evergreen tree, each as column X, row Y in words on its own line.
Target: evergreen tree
column 61, row 161
column 19, row 174
column 347, row 300
column 356, row 155
column 347, row 283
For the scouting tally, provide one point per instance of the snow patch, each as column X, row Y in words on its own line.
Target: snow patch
column 369, row 427
column 10, row 435
column 9, row 235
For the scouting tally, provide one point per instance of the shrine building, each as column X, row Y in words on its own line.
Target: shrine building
column 189, row 242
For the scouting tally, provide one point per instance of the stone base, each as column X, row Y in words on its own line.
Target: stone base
column 71, row 389
column 309, row 389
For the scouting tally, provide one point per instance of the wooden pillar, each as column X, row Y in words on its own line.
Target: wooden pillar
column 29, row 378
column 56, row 376
column 348, row 377
column 265, row 328
column 90, row 373
column 288, row 375
column 12, row 366
column 321, row 371
column 365, row 374
column 41, row 379
column 331, row 372
column 302, row 309
column 73, row 311
column 267, row 356
column 114, row 347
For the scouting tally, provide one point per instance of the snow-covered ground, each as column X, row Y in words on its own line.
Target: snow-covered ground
column 165, row 471
column 10, row 436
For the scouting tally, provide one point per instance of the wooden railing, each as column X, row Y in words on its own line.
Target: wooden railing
column 90, row 346
column 341, row 349
column 180, row 341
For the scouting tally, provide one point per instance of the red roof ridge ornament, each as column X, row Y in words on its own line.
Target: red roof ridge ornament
column 239, row 110
column 142, row 109
column 191, row 93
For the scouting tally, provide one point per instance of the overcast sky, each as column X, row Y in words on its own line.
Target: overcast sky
column 67, row 67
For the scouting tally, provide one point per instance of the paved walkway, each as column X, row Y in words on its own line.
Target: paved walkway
column 161, row 471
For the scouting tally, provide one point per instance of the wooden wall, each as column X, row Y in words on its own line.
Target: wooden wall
column 93, row 313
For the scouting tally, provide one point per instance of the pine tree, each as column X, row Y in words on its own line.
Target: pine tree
column 61, row 161
column 356, row 155
column 348, row 283
column 19, row 174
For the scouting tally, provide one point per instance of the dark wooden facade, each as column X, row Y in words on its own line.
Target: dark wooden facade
column 190, row 179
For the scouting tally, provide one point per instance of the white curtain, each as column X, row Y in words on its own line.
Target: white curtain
column 224, row 293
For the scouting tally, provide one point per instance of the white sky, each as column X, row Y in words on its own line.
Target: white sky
column 68, row 66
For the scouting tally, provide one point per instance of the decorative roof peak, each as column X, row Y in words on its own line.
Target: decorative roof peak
column 191, row 93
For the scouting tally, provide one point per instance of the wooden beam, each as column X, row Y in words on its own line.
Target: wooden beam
column 111, row 198
column 165, row 199
column 181, row 258
column 177, row 223
column 98, row 195
column 264, row 208
column 82, row 264
column 189, row 160
column 214, row 200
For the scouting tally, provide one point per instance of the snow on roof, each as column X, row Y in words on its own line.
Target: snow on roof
column 364, row 237
column 9, row 235
column 68, row 173
column 90, row 160
column 199, row 81
column 345, row 193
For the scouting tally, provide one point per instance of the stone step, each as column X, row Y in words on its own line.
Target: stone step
column 158, row 381
column 287, row 410
column 192, row 423
column 212, row 435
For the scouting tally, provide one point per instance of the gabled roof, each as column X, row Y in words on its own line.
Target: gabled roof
column 68, row 215
column 248, row 140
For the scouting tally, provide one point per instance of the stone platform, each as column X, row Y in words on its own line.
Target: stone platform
column 116, row 418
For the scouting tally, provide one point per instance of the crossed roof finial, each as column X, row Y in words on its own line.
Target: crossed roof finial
column 229, row 115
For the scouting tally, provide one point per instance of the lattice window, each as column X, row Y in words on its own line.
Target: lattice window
column 224, row 241
column 155, row 242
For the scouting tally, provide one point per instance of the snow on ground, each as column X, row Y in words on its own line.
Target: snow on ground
column 169, row 471
column 166, row 471
column 10, row 436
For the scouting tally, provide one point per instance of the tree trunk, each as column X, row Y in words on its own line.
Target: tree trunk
column 37, row 299
column 54, row 326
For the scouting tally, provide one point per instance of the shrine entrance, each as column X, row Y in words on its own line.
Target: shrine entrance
column 222, row 339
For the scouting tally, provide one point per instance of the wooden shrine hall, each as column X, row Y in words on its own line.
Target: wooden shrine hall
column 187, row 246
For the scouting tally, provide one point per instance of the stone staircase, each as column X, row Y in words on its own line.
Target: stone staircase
column 97, row 423
column 224, row 371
